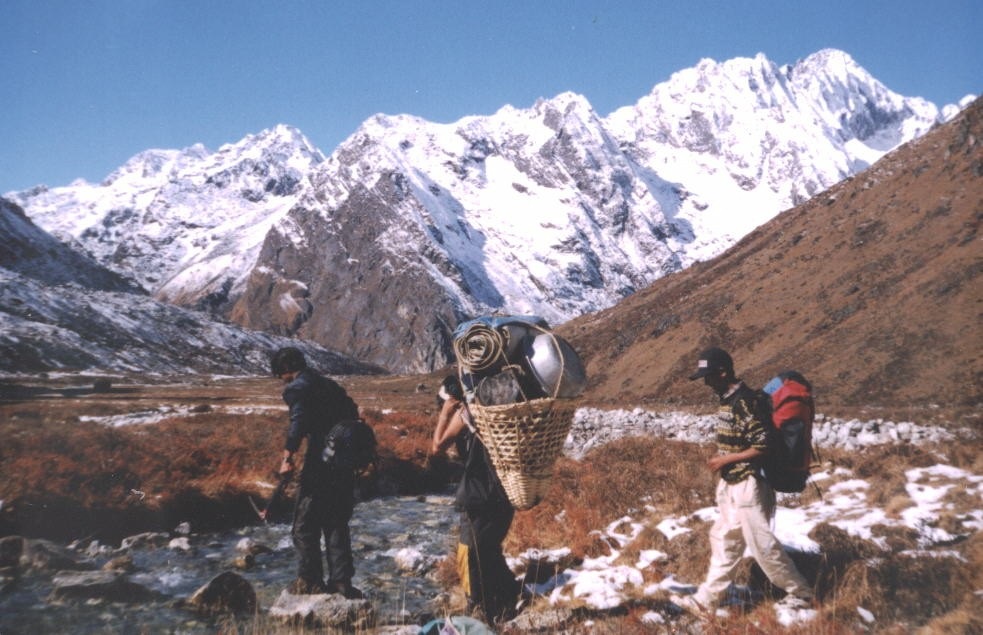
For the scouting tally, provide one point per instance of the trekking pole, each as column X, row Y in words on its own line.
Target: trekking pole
column 281, row 487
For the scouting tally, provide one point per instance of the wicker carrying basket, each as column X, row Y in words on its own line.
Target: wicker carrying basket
column 523, row 440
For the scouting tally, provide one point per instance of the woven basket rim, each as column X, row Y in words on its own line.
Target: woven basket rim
column 531, row 404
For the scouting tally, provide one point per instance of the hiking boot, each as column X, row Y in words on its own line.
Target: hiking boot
column 345, row 589
column 300, row 586
column 794, row 603
column 687, row 604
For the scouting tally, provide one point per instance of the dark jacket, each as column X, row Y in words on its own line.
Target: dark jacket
column 316, row 403
column 480, row 487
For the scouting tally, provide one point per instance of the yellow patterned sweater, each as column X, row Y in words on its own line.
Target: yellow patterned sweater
column 739, row 428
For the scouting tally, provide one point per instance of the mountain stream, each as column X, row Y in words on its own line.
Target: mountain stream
column 396, row 542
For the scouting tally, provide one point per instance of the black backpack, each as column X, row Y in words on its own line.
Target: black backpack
column 350, row 445
column 785, row 406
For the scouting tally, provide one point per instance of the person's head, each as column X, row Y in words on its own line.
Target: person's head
column 450, row 388
column 716, row 368
column 287, row 360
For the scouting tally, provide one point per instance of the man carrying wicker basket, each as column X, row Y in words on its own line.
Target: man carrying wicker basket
column 486, row 513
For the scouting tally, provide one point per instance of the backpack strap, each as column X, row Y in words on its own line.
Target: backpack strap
column 467, row 418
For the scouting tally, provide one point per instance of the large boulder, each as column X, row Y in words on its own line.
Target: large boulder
column 148, row 539
column 227, row 592
column 44, row 555
column 552, row 620
column 11, row 549
column 324, row 610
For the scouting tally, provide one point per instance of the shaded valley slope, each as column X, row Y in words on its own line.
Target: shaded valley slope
column 871, row 288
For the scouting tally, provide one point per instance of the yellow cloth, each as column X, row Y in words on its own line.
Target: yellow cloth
column 463, row 570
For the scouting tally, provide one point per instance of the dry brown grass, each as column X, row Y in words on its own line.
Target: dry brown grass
column 624, row 475
column 61, row 473
column 901, row 588
column 66, row 477
column 962, row 621
column 905, row 592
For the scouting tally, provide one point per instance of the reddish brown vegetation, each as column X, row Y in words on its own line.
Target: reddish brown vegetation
column 201, row 462
column 848, row 571
column 623, row 475
column 65, row 478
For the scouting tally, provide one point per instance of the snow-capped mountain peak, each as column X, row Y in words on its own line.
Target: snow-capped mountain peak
column 551, row 210
column 187, row 224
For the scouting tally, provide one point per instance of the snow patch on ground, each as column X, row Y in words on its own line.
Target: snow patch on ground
column 606, row 581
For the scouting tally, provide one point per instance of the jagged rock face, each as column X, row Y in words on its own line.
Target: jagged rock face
column 384, row 272
column 72, row 327
column 382, row 247
column 745, row 139
column 871, row 289
column 331, row 282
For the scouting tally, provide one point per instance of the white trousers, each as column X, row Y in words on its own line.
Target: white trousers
column 746, row 509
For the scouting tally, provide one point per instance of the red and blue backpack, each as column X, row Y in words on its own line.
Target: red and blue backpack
column 787, row 407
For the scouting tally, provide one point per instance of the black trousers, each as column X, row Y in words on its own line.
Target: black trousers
column 488, row 582
column 322, row 511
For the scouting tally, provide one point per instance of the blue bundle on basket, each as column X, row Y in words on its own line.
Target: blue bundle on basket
column 521, row 380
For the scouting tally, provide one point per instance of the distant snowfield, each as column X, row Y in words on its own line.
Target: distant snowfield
column 594, row 427
column 164, row 413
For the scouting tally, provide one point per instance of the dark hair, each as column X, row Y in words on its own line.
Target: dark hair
column 452, row 386
column 287, row 360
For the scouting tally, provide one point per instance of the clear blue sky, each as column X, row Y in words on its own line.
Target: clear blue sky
column 85, row 85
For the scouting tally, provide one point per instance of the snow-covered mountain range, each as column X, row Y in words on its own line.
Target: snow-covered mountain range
column 409, row 226
column 59, row 310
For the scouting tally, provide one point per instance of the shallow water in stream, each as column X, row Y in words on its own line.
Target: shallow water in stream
column 381, row 528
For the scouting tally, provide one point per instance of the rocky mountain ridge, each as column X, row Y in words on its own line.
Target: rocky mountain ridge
column 61, row 311
column 29, row 250
column 408, row 227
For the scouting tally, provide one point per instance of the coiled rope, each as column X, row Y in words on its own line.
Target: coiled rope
column 479, row 348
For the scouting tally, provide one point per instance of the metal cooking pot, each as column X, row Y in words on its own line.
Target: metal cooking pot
column 555, row 364
column 513, row 335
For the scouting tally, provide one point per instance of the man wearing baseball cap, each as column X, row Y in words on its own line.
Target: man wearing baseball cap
column 712, row 361
column 745, row 501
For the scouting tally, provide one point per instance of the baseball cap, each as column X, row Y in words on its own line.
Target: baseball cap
column 712, row 360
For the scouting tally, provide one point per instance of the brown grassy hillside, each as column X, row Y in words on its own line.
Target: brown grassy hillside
column 871, row 288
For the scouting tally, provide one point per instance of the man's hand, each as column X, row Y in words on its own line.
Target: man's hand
column 718, row 462
column 286, row 466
